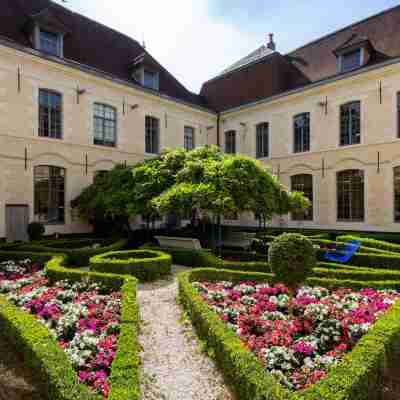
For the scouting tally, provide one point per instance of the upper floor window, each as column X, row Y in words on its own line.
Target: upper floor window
column 230, row 142
column 189, row 143
column 396, row 183
column 150, row 79
column 49, row 194
column 350, row 123
column 350, row 195
column 50, row 42
column 152, row 139
column 350, row 60
column 303, row 183
column 50, row 114
column 262, row 140
column 301, row 133
column 105, row 125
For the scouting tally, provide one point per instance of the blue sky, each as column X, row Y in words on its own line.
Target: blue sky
column 196, row 39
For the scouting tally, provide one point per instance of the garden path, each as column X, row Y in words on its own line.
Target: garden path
column 174, row 368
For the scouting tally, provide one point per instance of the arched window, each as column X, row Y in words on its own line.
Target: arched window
column 303, row 183
column 301, row 129
column 262, row 140
column 350, row 195
column 230, row 142
column 105, row 125
column 396, row 174
column 49, row 194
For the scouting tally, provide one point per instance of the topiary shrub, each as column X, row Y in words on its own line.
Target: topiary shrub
column 36, row 231
column 292, row 258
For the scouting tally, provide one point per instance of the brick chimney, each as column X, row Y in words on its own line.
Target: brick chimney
column 271, row 44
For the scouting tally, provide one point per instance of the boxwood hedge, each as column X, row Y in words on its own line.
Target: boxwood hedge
column 51, row 365
column 146, row 265
column 357, row 377
column 368, row 242
column 78, row 251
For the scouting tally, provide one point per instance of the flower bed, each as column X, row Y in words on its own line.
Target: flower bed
column 83, row 318
column 247, row 346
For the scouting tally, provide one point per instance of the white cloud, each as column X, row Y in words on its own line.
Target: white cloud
column 180, row 34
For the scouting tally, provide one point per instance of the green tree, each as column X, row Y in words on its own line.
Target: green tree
column 178, row 181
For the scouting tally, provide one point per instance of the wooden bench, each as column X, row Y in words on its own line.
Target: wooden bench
column 178, row 242
column 243, row 240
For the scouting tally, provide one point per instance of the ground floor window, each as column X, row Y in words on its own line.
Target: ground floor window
column 303, row 183
column 350, row 195
column 396, row 173
column 49, row 194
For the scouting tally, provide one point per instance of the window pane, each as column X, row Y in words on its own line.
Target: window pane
column 151, row 80
column 49, row 42
column 49, row 194
column 262, row 140
column 50, row 114
column 351, row 60
column 230, row 142
column 397, row 194
column 302, row 133
column 104, row 125
column 189, row 138
column 350, row 195
column 350, row 123
column 152, row 135
column 303, row 183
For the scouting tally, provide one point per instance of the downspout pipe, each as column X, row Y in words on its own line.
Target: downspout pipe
column 218, row 129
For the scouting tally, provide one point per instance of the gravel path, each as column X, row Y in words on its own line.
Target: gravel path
column 174, row 368
column 16, row 381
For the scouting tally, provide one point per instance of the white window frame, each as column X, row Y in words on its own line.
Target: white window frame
column 189, row 130
column 60, row 40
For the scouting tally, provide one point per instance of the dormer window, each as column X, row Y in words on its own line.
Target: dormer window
column 351, row 60
column 354, row 53
column 50, row 42
column 150, row 79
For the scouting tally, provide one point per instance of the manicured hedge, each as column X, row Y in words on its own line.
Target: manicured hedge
column 189, row 258
column 42, row 353
column 377, row 244
column 146, row 265
column 78, row 257
column 355, row 378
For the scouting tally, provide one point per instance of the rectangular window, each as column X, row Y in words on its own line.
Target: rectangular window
column 189, row 138
column 303, row 183
column 302, row 133
column 152, row 135
column 105, row 125
column 230, row 142
column 50, row 42
column 350, row 195
column 350, row 60
column 262, row 140
column 50, row 114
column 151, row 80
column 398, row 114
column 396, row 172
column 49, row 194
column 350, row 123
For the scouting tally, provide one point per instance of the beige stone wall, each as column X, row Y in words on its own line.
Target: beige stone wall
column 19, row 129
column 378, row 134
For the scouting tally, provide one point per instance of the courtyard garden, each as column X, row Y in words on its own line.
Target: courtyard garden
column 124, row 318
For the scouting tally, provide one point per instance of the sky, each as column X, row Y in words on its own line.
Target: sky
column 196, row 39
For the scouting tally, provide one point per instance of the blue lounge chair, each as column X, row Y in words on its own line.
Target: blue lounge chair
column 343, row 253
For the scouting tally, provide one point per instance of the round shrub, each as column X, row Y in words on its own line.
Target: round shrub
column 36, row 230
column 146, row 265
column 292, row 258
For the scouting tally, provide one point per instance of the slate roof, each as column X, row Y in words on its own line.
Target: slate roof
column 87, row 42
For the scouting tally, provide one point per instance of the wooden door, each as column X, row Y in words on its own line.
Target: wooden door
column 17, row 220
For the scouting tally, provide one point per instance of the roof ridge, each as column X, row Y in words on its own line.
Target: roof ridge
column 354, row 24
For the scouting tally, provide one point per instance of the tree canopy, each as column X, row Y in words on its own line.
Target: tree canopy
column 179, row 181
